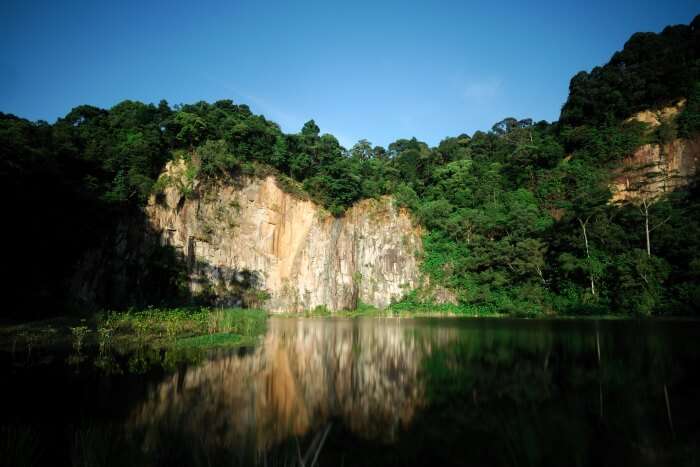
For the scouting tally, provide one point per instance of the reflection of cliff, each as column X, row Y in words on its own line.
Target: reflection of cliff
column 304, row 374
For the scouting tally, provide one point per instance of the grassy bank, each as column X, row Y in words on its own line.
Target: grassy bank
column 155, row 328
column 410, row 309
column 157, row 325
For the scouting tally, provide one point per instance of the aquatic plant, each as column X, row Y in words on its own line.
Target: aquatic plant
column 79, row 333
column 239, row 321
column 104, row 338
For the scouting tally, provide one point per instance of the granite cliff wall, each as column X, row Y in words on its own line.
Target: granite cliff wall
column 655, row 169
column 251, row 237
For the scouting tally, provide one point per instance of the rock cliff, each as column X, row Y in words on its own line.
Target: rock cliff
column 655, row 169
column 249, row 242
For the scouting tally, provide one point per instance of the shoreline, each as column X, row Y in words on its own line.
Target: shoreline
column 67, row 321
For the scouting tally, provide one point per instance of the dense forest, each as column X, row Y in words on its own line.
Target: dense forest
column 517, row 219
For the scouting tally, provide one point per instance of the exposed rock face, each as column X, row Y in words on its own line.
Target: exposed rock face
column 655, row 169
column 653, row 118
column 254, row 236
column 659, row 168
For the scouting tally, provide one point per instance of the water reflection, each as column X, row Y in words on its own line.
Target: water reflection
column 305, row 373
column 375, row 392
column 496, row 393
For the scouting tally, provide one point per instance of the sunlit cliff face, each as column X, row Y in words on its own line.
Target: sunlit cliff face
column 252, row 234
column 653, row 170
column 656, row 169
column 305, row 374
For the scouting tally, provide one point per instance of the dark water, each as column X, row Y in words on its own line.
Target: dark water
column 372, row 392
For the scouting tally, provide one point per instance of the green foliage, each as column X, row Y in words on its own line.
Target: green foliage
column 192, row 128
column 405, row 196
column 640, row 280
column 336, row 186
column 651, row 70
column 168, row 323
column 186, row 183
column 689, row 119
column 237, row 321
column 606, row 144
column 216, row 160
column 411, row 304
column 482, row 240
column 666, row 132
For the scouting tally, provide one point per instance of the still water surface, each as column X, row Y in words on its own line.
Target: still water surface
column 375, row 391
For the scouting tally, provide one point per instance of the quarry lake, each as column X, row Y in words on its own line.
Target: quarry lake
column 368, row 391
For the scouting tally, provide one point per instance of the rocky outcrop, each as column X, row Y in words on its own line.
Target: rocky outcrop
column 248, row 240
column 655, row 169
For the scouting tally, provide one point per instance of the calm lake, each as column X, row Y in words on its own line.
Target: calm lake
column 374, row 391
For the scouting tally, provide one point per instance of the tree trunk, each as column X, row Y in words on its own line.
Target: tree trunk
column 646, row 226
column 588, row 254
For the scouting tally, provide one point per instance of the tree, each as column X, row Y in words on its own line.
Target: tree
column 192, row 129
column 587, row 195
column 362, row 150
column 640, row 279
column 689, row 119
column 310, row 130
column 644, row 193
column 216, row 160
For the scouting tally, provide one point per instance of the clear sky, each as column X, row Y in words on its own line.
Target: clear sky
column 376, row 69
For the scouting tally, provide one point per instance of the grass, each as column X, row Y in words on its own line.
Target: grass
column 413, row 308
column 159, row 324
column 155, row 328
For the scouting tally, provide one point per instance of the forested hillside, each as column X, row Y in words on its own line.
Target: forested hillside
column 517, row 219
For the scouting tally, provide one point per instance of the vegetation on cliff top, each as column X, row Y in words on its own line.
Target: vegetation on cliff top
column 518, row 219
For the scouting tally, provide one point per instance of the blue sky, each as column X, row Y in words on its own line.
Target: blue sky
column 377, row 69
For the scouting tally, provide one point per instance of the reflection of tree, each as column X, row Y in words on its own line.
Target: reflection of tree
column 534, row 397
